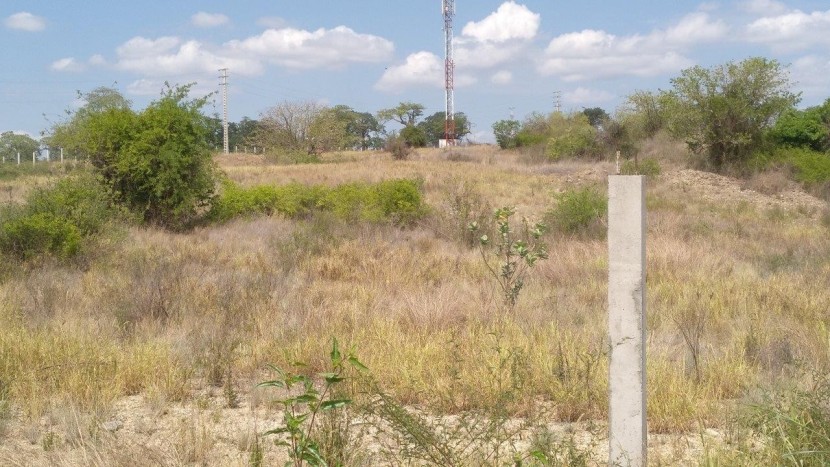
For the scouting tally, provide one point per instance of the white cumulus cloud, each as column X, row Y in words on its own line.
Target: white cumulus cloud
column 170, row 56
column 503, row 36
column 593, row 54
column 67, row 64
column 208, row 20
column 323, row 48
column 25, row 21
column 420, row 68
column 793, row 30
column 509, row 21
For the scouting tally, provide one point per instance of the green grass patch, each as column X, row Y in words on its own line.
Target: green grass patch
column 397, row 201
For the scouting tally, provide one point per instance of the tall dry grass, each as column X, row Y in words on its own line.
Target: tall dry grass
column 738, row 299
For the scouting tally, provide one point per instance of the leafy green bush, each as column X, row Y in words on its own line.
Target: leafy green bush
column 810, row 167
column 579, row 211
column 56, row 219
column 29, row 235
column 156, row 162
column 571, row 136
column 648, row 167
column 397, row 201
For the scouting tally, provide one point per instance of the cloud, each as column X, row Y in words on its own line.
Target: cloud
column 145, row 87
column 794, row 30
column 208, row 20
column 420, row 68
column 67, row 64
column 763, row 7
column 155, row 87
column 502, row 36
column 323, row 48
column 97, row 60
column 25, row 21
column 593, row 54
column 580, row 96
column 273, row 22
column 291, row 48
column 810, row 75
column 502, row 77
column 167, row 56
column 510, row 21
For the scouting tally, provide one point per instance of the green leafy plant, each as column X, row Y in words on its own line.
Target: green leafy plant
column 515, row 252
column 303, row 410
column 648, row 167
column 578, row 210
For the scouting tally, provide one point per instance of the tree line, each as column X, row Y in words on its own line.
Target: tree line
column 313, row 128
column 737, row 117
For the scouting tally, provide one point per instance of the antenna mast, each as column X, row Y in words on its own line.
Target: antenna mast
column 449, row 72
column 224, row 85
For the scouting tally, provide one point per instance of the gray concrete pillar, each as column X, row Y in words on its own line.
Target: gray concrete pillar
column 628, row 431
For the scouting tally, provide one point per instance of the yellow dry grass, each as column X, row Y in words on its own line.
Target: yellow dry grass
column 165, row 314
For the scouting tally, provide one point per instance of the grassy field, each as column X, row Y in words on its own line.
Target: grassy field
column 167, row 334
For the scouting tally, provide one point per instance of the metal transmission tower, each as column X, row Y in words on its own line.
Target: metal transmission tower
column 224, row 85
column 449, row 72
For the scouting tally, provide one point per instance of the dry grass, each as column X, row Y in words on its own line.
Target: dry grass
column 738, row 298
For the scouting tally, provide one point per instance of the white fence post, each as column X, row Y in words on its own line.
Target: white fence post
column 628, row 430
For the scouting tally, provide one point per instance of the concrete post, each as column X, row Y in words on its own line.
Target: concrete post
column 628, row 431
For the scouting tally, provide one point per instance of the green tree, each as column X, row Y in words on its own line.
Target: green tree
column 157, row 162
column 287, row 126
column 367, row 129
column 12, row 143
column 596, row 116
column 571, row 136
column 329, row 130
column 433, row 126
column 71, row 134
column 414, row 136
column 506, row 132
column 643, row 114
column 240, row 132
column 723, row 112
column 406, row 113
column 804, row 128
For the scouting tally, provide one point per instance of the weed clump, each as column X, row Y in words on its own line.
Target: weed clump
column 395, row 201
column 580, row 211
column 57, row 220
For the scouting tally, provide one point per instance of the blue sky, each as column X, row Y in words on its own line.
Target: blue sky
column 511, row 57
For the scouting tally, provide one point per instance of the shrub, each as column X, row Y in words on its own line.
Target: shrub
column 648, row 167
column 811, row 167
column 398, row 147
column 56, row 219
column 396, row 201
column 571, row 136
column 30, row 235
column 579, row 211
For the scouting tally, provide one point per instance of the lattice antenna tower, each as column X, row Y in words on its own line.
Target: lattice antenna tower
column 448, row 8
column 224, row 85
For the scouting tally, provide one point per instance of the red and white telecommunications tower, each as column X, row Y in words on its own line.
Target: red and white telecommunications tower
column 449, row 72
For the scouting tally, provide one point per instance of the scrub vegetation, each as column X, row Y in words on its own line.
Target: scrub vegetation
column 370, row 310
